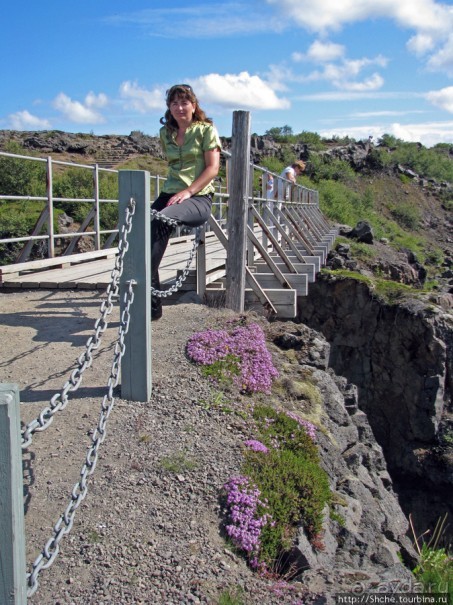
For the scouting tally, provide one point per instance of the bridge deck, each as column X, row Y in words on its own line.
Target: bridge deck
column 92, row 271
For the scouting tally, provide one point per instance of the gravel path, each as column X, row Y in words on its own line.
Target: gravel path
column 149, row 530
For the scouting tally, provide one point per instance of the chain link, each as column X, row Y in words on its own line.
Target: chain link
column 155, row 214
column 60, row 400
column 79, row 492
column 177, row 285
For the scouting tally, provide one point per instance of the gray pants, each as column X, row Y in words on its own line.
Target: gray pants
column 193, row 212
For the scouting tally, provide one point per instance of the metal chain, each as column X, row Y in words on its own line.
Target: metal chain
column 79, row 492
column 60, row 400
column 155, row 214
column 177, row 285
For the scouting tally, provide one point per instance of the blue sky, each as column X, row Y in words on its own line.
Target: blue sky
column 336, row 67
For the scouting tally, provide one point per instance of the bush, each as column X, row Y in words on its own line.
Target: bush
column 283, row 488
column 21, row 177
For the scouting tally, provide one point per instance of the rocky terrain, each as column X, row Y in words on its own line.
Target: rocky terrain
column 150, row 528
column 148, row 534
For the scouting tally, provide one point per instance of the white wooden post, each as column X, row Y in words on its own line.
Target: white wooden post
column 136, row 362
column 50, row 227
column 13, row 589
column 237, row 211
column 97, row 216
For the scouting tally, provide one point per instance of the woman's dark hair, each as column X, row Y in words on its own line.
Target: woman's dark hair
column 183, row 91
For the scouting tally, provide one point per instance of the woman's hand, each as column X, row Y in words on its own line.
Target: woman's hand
column 179, row 197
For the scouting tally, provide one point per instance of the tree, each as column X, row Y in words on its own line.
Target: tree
column 279, row 133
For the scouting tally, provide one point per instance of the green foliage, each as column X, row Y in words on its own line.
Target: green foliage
column 290, row 480
column 232, row 596
column 390, row 291
column 280, row 133
column 19, row 176
column 78, row 183
column 407, row 215
column 296, row 490
column 435, row 571
column 223, row 370
column 275, row 426
column 341, row 204
column 323, row 168
column 178, row 462
column 13, row 224
column 74, row 183
column 312, row 139
column 358, row 249
column 433, row 163
column 435, row 567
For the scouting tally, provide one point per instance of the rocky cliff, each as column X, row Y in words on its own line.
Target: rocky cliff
column 400, row 356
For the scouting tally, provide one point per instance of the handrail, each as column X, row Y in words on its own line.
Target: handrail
column 45, row 221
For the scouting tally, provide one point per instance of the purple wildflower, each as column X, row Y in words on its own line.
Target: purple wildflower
column 256, row 446
column 243, row 500
column 308, row 427
column 245, row 342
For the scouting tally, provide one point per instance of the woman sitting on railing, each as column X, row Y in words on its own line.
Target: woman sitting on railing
column 192, row 146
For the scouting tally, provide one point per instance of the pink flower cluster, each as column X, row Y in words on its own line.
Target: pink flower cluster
column 245, row 526
column 245, row 342
column 309, row 428
column 256, row 446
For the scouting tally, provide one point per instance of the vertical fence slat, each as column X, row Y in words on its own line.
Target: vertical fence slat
column 50, row 230
column 237, row 211
column 136, row 362
column 12, row 538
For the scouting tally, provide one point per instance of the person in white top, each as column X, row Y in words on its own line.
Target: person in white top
column 290, row 173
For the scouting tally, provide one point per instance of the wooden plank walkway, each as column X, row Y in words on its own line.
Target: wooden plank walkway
column 92, row 270
column 280, row 272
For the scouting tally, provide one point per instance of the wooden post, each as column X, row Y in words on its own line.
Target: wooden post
column 136, row 362
column 50, row 229
column 13, row 589
column 201, row 263
column 237, row 211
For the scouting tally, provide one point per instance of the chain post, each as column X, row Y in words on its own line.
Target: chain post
column 136, row 362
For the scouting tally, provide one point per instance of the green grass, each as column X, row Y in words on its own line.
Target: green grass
column 178, row 462
column 232, row 596
column 435, row 567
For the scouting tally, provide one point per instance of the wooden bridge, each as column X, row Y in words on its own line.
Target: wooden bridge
column 272, row 249
column 278, row 274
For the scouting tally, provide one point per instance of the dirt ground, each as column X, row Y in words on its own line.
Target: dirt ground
column 143, row 534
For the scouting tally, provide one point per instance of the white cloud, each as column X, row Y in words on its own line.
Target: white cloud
column 80, row 113
column 442, row 98
column 346, row 74
column 431, row 21
column 23, row 120
column 343, row 75
column 427, row 133
column 241, row 91
column 420, row 44
column 92, row 100
column 202, row 20
column 321, row 52
column 324, row 15
column 374, row 82
column 140, row 99
column 442, row 60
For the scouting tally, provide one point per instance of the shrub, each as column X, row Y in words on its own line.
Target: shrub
column 282, row 487
column 295, row 489
column 239, row 353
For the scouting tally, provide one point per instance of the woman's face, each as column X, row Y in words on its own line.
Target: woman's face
column 181, row 108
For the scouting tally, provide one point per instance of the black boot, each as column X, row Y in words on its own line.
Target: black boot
column 156, row 301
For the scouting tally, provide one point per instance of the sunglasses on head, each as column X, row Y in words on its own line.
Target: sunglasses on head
column 170, row 90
